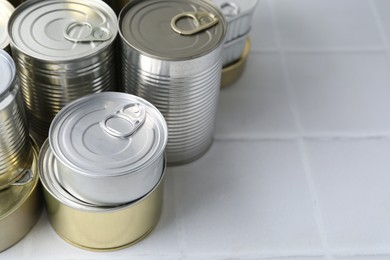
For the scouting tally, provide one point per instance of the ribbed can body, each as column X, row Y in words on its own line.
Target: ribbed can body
column 171, row 56
column 63, row 50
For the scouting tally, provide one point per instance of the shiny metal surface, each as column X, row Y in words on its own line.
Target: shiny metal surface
column 232, row 50
column 57, row 62
column 179, row 74
column 233, row 72
column 20, row 207
column 97, row 228
column 112, row 142
column 15, row 146
column 6, row 9
column 238, row 14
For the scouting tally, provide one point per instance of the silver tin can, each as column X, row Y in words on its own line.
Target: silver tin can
column 171, row 56
column 232, row 50
column 92, row 227
column 15, row 146
column 6, row 9
column 63, row 50
column 109, row 146
column 238, row 14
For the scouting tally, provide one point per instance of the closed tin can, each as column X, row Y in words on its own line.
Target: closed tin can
column 112, row 142
column 92, row 227
column 232, row 72
column 238, row 14
column 6, row 9
column 171, row 56
column 63, row 50
column 20, row 206
column 15, row 146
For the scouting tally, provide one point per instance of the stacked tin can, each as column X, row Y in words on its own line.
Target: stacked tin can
column 238, row 15
column 171, row 56
column 63, row 50
column 6, row 9
column 103, row 164
column 19, row 193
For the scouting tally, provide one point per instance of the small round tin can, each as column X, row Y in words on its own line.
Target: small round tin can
column 238, row 14
column 63, row 50
column 92, row 227
column 20, row 206
column 171, row 56
column 109, row 146
column 15, row 146
column 6, row 9
column 233, row 72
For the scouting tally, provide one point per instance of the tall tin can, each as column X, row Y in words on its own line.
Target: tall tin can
column 109, row 147
column 63, row 50
column 15, row 146
column 92, row 227
column 20, row 205
column 171, row 56
column 6, row 9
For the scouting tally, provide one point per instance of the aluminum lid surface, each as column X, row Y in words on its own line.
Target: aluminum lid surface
column 233, row 9
column 108, row 134
column 146, row 25
column 6, row 9
column 7, row 72
column 61, row 30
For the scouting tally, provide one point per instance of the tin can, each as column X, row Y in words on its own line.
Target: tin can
column 112, row 142
column 233, row 72
column 171, row 56
column 63, row 50
column 238, row 15
column 92, row 227
column 15, row 146
column 20, row 206
column 6, row 9
column 233, row 50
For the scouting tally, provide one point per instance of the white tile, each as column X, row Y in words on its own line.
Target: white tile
column 262, row 32
column 341, row 92
column 326, row 24
column 258, row 102
column 352, row 180
column 363, row 257
column 246, row 198
column 383, row 9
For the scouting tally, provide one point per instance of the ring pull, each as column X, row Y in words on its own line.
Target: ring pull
column 229, row 9
column 94, row 34
column 202, row 21
column 27, row 177
column 123, row 123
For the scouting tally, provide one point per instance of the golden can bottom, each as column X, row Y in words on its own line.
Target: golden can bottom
column 91, row 227
column 233, row 72
column 20, row 206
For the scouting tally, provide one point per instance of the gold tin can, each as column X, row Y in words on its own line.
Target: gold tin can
column 92, row 227
column 20, row 206
column 233, row 72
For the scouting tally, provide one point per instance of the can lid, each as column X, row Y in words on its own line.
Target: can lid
column 6, row 10
column 7, row 72
column 172, row 29
column 233, row 9
column 61, row 30
column 108, row 134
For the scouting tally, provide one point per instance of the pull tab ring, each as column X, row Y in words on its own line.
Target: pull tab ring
column 123, row 123
column 95, row 34
column 202, row 21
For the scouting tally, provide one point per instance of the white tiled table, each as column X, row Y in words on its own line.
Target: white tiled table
column 300, row 166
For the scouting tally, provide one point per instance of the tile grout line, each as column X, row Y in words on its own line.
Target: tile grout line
column 301, row 142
